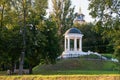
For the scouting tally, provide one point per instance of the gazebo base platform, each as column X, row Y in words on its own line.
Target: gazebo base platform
column 70, row 54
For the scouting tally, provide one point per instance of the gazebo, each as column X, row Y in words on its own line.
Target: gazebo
column 72, row 43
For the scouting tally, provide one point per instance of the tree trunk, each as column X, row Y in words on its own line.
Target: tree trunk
column 30, row 69
column 2, row 14
column 21, row 63
column 12, row 66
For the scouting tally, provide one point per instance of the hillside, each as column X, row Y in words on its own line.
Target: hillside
column 77, row 64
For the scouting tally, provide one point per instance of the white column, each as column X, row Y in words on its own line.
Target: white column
column 80, row 44
column 68, row 44
column 75, row 44
column 65, row 44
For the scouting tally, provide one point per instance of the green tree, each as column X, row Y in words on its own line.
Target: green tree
column 92, row 40
column 52, row 46
column 27, row 17
column 6, row 34
column 20, row 13
column 63, row 16
column 12, row 46
column 2, row 14
column 107, row 14
column 35, row 40
column 32, row 12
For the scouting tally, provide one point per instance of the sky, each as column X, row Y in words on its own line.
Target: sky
column 83, row 4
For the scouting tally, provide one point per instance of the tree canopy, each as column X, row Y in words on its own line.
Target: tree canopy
column 24, row 28
column 107, row 15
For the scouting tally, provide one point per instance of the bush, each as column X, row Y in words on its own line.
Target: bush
column 108, row 56
column 91, row 56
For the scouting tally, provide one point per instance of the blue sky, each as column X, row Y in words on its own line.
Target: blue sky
column 83, row 4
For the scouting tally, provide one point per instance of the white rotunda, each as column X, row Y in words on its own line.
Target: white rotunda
column 72, row 43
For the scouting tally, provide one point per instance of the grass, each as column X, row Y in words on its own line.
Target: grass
column 78, row 66
column 71, row 72
column 77, row 72
column 72, row 69
column 62, row 77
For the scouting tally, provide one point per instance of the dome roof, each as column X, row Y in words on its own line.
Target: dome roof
column 73, row 30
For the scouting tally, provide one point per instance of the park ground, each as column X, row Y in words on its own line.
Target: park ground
column 83, row 68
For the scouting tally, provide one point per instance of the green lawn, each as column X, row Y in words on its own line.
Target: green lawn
column 72, row 72
column 78, row 66
column 77, row 72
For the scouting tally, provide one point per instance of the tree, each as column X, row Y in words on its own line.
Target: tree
column 92, row 40
column 35, row 44
column 52, row 46
column 2, row 9
column 63, row 16
column 20, row 13
column 35, row 40
column 6, row 35
column 32, row 12
column 107, row 14
column 13, row 47
column 26, row 30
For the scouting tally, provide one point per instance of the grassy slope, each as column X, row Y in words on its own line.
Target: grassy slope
column 77, row 66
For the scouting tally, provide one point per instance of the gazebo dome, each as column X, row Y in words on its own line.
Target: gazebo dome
column 73, row 30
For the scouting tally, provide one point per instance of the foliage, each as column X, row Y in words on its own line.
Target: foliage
column 63, row 15
column 18, row 17
column 52, row 46
column 107, row 14
column 35, row 43
column 35, row 40
column 10, row 37
column 91, row 40
column 13, row 46
column 23, row 28
column 108, row 56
